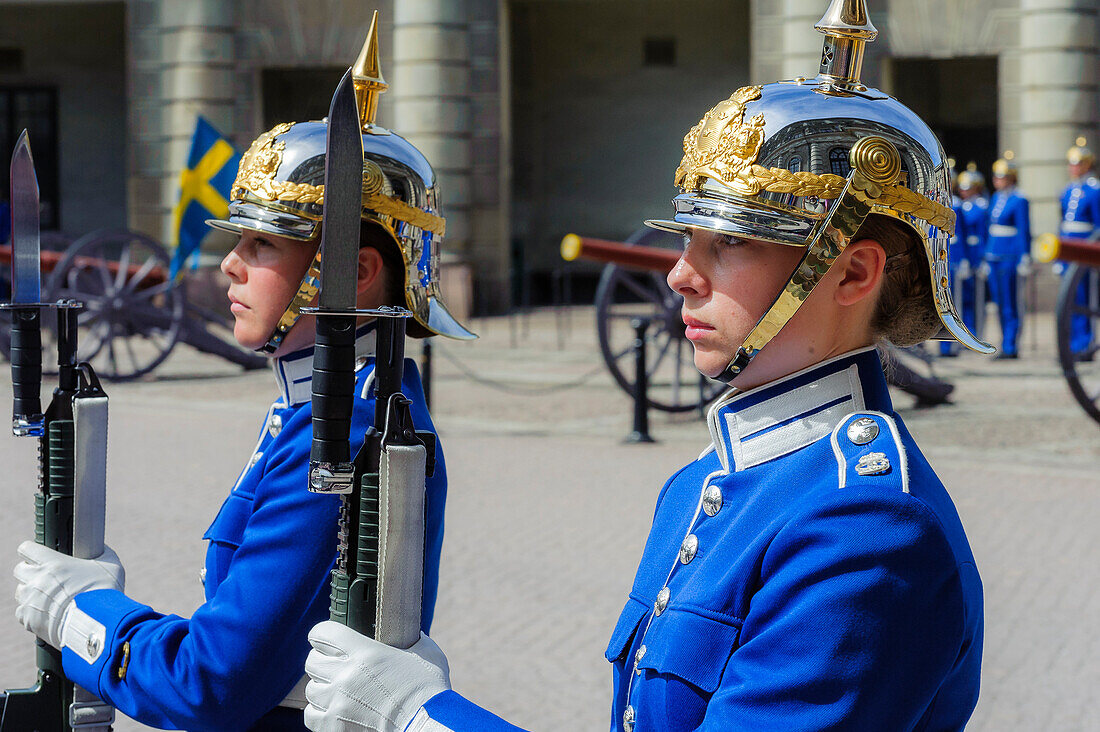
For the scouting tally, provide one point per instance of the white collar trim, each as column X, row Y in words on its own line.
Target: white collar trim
column 294, row 371
column 790, row 420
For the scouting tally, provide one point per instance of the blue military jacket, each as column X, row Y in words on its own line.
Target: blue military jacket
column 1009, row 226
column 808, row 571
column 1081, row 208
column 266, row 580
column 972, row 227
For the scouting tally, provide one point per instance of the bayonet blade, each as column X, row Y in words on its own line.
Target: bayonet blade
column 343, row 200
column 26, row 272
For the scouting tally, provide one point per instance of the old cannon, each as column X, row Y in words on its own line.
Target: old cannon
column 632, row 285
column 1082, row 277
column 134, row 314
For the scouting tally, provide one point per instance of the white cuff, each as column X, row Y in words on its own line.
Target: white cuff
column 82, row 634
column 423, row 723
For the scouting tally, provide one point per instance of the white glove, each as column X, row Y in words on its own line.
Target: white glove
column 358, row 684
column 49, row 581
column 1023, row 267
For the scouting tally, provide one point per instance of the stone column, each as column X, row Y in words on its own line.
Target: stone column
column 429, row 96
column 181, row 64
column 801, row 43
column 1059, row 97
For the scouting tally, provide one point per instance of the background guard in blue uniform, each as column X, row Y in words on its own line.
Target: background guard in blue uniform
column 971, row 230
column 1081, row 220
column 808, row 571
column 237, row 662
column 1007, row 257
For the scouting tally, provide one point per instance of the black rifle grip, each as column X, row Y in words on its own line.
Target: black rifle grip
column 26, row 361
column 333, row 386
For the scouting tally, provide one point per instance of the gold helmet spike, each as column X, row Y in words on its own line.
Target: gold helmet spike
column 847, row 29
column 971, row 166
column 367, row 76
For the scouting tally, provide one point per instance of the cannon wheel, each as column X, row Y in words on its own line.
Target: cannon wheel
column 624, row 294
column 132, row 314
column 1082, row 370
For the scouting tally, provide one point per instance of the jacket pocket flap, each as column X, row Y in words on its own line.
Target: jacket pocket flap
column 228, row 525
column 632, row 614
column 690, row 646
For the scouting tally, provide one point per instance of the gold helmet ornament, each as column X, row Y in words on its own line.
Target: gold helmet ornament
column 280, row 190
column 1005, row 166
column 971, row 178
column 803, row 162
column 1079, row 153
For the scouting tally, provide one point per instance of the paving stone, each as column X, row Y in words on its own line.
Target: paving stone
column 548, row 512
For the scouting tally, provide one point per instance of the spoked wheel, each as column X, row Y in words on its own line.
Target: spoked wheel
column 1082, row 369
column 625, row 294
column 132, row 312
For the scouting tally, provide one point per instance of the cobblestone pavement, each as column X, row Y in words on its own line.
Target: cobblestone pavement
column 548, row 512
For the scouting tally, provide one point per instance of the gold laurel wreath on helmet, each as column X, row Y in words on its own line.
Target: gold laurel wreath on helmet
column 724, row 146
column 260, row 164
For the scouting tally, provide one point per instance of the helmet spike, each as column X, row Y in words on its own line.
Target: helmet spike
column 367, row 77
column 847, row 29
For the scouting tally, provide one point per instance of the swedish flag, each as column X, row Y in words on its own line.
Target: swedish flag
column 204, row 191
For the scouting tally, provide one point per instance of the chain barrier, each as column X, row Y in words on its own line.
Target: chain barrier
column 509, row 388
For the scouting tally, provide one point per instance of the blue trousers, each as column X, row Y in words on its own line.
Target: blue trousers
column 1080, row 328
column 1002, row 290
column 967, row 307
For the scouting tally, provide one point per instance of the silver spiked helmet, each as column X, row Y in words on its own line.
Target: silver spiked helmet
column 786, row 162
column 279, row 190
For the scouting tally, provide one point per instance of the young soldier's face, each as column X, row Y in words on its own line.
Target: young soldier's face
column 264, row 272
column 728, row 284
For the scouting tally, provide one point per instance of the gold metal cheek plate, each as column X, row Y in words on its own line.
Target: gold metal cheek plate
column 307, row 290
column 875, row 163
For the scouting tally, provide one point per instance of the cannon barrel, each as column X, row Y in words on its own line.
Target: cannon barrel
column 1049, row 247
column 634, row 256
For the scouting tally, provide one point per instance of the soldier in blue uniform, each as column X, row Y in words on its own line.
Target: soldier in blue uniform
column 237, row 662
column 1007, row 253
column 808, row 571
column 1081, row 220
column 971, row 230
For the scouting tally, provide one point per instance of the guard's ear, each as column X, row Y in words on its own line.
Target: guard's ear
column 371, row 271
column 861, row 271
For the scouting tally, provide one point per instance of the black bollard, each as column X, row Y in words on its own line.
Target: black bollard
column 426, row 372
column 640, row 432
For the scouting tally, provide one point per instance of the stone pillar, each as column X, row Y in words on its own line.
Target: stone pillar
column 181, row 65
column 801, row 43
column 1059, row 97
column 429, row 96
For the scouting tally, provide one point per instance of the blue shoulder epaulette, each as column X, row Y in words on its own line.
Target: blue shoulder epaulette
column 869, row 451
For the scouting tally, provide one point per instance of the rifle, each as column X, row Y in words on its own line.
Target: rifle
column 72, row 457
column 377, row 584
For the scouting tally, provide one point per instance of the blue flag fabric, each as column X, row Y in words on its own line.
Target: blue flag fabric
column 204, row 191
